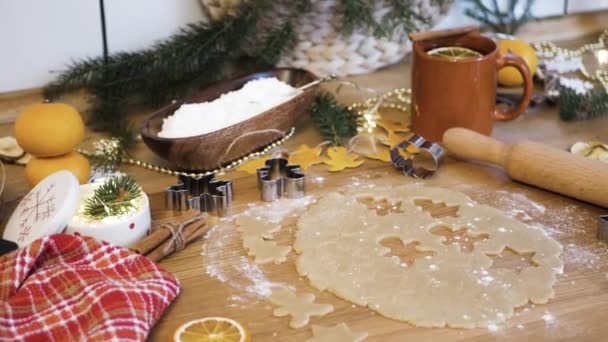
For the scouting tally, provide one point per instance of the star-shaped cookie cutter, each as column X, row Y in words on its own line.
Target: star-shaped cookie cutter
column 203, row 194
column 410, row 166
column 279, row 179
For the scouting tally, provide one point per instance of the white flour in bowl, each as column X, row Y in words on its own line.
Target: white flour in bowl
column 256, row 97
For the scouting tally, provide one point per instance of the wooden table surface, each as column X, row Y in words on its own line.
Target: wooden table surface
column 223, row 281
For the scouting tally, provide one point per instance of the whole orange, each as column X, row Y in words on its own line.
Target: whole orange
column 38, row 169
column 509, row 76
column 49, row 129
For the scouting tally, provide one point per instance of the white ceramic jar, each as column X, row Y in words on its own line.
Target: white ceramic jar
column 122, row 230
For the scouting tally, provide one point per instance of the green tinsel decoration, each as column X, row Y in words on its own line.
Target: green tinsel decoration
column 200, row 54
column 573, row 106
column 335, row 121
column 500, row 21
column 113, row 198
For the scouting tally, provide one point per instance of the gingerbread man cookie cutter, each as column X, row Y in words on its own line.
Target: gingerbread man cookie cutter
column 279, row 179
column 410, row 166
column 203, row 193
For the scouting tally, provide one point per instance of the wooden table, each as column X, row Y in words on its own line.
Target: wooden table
column 224, row 282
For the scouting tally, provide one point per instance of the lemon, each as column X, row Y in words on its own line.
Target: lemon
column 509, row 76
column 211, row 329
column 49, row 129
column 454, row 52
column 38, row 169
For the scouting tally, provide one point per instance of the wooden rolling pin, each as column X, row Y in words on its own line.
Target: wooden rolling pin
column 536, row 164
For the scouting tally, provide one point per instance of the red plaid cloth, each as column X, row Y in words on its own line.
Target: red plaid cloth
column 66, row 287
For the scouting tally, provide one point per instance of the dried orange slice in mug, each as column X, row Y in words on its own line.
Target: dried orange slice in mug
column 211, row 329
column 454, row 52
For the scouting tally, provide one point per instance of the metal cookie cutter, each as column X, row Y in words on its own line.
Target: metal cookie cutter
column 204, row 194
column 409, row 166
column 602, row 228
column 279, row 179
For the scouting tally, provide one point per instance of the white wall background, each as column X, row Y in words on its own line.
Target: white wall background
column 40, row 37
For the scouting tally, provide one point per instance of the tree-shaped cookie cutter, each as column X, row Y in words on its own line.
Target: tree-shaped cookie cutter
column 202, row 193
column 410, row 166
column 279, row 179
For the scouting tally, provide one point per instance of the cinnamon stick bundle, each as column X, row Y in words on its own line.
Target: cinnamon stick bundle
column 171, row 234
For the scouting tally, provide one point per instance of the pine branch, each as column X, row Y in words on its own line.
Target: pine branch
column 500, row 21
column 574, row 106
column 113, row 198
column 197, row 55
column 335, row 122
column 202, row 53
column 274, row 45
column 402, row 18
column 358, row 14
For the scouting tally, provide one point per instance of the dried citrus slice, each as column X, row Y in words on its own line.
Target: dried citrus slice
column 211, row 329
column 454, row 52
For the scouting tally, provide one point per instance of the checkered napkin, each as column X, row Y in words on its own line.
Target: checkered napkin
column 66, row 287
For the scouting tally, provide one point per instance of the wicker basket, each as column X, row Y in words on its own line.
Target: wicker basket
column 323, row 50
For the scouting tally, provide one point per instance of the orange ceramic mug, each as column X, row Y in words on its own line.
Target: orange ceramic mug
column 450, row 92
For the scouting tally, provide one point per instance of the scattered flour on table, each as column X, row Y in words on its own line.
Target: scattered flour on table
column 256, row 97
column 225, row 260
column 228, row 265
column 277, row 211
column 560, row 223
column 581, row 249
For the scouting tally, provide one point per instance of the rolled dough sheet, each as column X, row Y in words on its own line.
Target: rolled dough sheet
column 338, row 241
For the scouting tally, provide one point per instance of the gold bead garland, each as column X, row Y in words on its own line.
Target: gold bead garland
column 368, row 109
column 549, row 50
column 109, row 149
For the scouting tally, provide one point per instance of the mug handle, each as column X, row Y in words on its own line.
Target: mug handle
column 519, row 63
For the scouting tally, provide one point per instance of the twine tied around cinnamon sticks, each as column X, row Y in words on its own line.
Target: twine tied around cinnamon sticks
column 172, row 235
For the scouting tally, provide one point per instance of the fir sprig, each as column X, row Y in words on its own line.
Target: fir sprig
column 197, row 55
column 574, row 106
column 359, row 14
column 113, row 198
column 503, row 21
column 204, row 52
column 335, row 121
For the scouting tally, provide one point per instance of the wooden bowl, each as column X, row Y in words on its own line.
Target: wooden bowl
column 208, row 151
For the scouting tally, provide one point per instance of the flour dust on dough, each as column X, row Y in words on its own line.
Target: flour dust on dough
column 255, row 233
column 338, row 241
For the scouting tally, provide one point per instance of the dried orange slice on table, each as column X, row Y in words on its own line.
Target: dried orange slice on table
column 454, row 52
column 211, row 329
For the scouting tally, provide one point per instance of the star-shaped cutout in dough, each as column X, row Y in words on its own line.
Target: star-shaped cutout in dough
column 299, row 307
column 511, row 259
column 338, row 333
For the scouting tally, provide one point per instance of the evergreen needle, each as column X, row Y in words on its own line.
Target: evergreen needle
column 207, row 51
column 113, row 198
column 335, row 121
